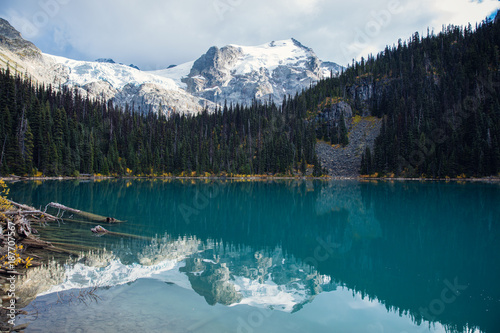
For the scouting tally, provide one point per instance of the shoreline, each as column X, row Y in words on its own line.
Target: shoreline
column 489, row 179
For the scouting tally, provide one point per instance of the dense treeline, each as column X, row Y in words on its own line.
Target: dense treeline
column 58, row 132
column 439, row 97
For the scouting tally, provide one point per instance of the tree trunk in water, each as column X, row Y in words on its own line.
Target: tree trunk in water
column 90, row 216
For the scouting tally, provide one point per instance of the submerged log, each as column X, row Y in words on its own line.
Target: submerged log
column 120, row 234
column 90, row 216
column 76, row 246
column 36, row 243
column 79, row 221
column 61, row 250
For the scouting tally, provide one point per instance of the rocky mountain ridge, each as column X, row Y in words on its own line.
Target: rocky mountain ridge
column 240, row 74
column 236, row 74
column 102, row 79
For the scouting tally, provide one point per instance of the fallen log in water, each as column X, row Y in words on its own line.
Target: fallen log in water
column 80, row 221
column 90, row 216
column 30, row 210
column 22, row 212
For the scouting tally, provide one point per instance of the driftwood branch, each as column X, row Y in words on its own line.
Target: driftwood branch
column 21, row 206
column 22, row 212
column 90, row 216
column 32, row 210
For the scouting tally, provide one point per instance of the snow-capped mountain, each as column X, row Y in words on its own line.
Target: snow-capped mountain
column 101, row 79
column 236, row 74
column 126, row 85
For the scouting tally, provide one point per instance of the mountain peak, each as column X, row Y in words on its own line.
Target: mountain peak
column 106, row 60
column 111, row 61
column 299, row 44
column 7, row 30
column 288, row 42
column 12, row 40
column 240, row 74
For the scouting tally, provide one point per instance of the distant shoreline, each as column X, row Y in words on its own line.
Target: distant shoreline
column 492, row 179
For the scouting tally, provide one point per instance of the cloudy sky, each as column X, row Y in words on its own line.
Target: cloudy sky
column 156, row 33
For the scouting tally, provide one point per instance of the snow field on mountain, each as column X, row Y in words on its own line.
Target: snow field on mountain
column 117, row 75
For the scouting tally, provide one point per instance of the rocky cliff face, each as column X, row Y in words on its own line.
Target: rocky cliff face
column 212, row 69
column 361, row 95
column 335, row 111
column 367, row 92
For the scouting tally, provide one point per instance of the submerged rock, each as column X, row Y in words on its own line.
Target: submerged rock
column 99, row 230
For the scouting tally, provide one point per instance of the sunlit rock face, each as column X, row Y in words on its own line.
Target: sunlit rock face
column 241, row 74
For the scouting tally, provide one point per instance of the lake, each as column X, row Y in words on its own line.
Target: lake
column 273, row 256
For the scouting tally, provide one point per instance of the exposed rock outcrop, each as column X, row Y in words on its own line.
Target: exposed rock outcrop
column 335, row 111
column 346, row 161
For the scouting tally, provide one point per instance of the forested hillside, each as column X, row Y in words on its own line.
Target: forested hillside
column 439, row 99
column 57, row 132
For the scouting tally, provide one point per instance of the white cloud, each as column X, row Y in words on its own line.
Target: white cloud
column 463, row 12
column 156, row 33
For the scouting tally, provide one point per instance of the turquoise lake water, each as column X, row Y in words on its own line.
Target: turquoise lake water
column 283, row 256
